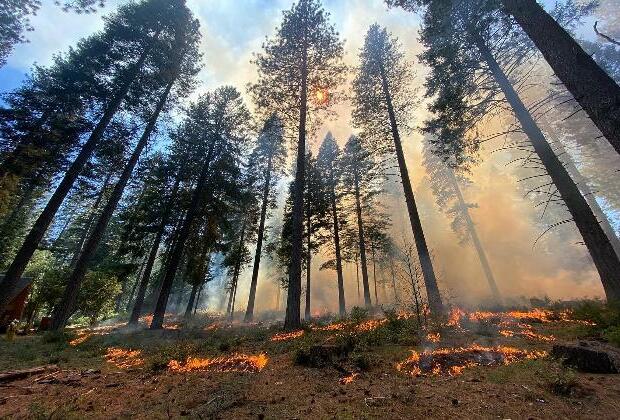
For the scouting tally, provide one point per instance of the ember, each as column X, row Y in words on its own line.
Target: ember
column 124, row 359
column 348, row 379
column 371, row 324
column 339, row 326
column 287, row 336
column 233, row 363
column 453, row 361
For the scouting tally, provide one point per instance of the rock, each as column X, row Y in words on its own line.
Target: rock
column 589, row 357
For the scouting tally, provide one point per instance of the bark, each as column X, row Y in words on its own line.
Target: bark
column 177, row 251
column 473, row 234
column 39, row 228
column 146, row 273
column 362, row 243
column 190, row 302
column 341, row 301
column 292, row 320
column 596, row 92
column 307, row 314
column 601, row 250
column 430, row 281
column 65, row 307
column 249, row 312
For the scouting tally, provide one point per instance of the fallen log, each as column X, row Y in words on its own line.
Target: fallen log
column 15, row 375
column 587, row 356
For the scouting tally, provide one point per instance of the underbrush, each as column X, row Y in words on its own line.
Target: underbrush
column 605, row 316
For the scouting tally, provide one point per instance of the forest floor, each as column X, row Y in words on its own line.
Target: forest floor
column 472, row 365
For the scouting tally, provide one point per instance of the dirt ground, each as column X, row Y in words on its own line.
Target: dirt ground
column 90, row 382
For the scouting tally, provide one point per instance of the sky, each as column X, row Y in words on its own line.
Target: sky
column 508, row 223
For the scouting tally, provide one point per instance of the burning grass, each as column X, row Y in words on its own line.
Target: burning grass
column 433, row 337
column 232, row 363
column 453, row 361
column 285, row 336
column 123, row 358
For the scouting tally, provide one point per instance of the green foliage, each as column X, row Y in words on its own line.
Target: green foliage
column 358, row 314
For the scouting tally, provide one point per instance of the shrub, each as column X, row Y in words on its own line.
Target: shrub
column 358, row 314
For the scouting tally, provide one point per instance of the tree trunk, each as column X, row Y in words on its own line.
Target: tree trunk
column 430, row 281
column 473, row 234
column 374, row 273
column 357, row 276
column 237, row 270
column 362, row 243
column 131, row 299
column 202, row 285
column 601, row 250
column 249, row 312
column 39, row 228
column 590, row 85
column 307, row 314
column 342, row 309
column 177, row 251
column 292, row 320
column 146, row 273
column 393, row 273
column 588, row 194
column 190, row 302
column 91, row 219
column 65, row 306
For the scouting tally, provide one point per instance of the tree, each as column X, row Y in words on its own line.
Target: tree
column 267, row 160
column 183, row 56
column 219, row 120
column 304, row 56
column 14, row 20
column 135, row 34
column 444, row 183
column 590, row 85
column 316, row 205
column 359, row 177
column 383, row 103
column 327, row 161
column 459, row 67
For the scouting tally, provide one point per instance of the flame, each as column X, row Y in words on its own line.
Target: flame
column 234, row 363
column 287, row 336
column 338, row 326
column 348, row 379
column 371, row 324
column 433, row 337
column 453, row 361
column 454, row 319
column 124, row 359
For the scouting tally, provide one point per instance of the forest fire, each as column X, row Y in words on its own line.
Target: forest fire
column 124, row 359
column 453, row 361
column 433, row 337
column 287, row 336
column 233, row 363
column 371, row 324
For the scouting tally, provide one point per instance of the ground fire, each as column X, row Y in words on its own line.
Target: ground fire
column 452, row 361
column 232, row 363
